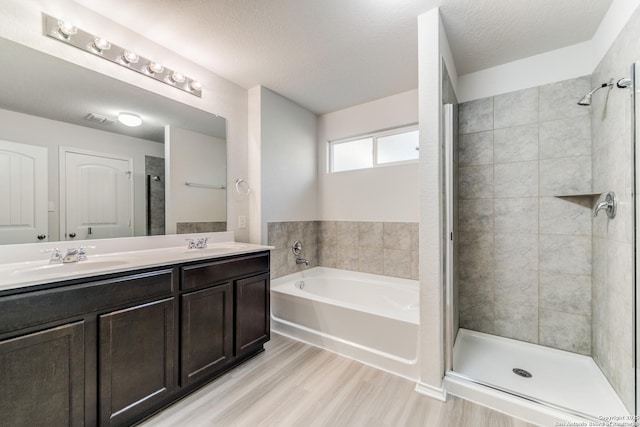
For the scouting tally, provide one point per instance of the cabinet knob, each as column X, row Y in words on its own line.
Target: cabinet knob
column 42, row 236
column 72, row 235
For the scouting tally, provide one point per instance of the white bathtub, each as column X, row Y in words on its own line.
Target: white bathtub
column 373, row 319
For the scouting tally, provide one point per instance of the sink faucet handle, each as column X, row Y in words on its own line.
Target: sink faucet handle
column 56, row 255
column 82, row 253
column 201, row 243
column 191, row 243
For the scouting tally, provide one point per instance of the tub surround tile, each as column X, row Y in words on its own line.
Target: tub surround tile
column 571, row 332
column 475, row 182
column 277, row 234
column 370, row 260
column 397, row 263
column 347, row 257
column 415, row 265
column 516, row 144
column 397, row 235
column 565, row 138
column 516, row 108
column 279, row 263
column 476, row 149
column 327, row 233
column 516, row 215
column 327, row 256
column 476, row 116
column 516, row 180
column 347, row 233
column 568, row 293
column 370, row 234
column 415, row 236
column 310, row 233
column 295, row 231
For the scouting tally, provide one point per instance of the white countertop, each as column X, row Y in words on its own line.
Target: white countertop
column 148, row 252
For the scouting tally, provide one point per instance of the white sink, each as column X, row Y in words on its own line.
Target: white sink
column 216, row 249
column 68, row 268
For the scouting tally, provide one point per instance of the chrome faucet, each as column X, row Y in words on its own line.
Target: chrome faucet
column 200, row 243
column 609, row 205
column 71, row 255
column 302, row 261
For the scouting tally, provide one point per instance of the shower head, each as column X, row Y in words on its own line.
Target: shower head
column 586, row 100
column 622, row 83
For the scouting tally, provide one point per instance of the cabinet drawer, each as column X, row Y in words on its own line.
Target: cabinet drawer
column 210, row 273
column 35, row 308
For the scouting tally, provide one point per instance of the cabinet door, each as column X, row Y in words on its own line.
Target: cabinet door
column 136, row 360
column 207, row 332
column 252, row 313
column 42, row 378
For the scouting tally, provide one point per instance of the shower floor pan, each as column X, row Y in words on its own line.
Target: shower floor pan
column 561, row 379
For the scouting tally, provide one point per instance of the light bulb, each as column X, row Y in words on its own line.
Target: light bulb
column 176, row 77
column 99, row 44
column 65, row 29
column 155, row 68
column 129, row 57
column 195, row 85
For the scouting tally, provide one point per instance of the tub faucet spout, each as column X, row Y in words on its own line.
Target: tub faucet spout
column 302, row 261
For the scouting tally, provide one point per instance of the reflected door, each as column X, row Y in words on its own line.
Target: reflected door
column 97, row 196
column 23, row 193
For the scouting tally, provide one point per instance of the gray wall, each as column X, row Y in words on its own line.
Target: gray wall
column 524, row 216
column 613, row 238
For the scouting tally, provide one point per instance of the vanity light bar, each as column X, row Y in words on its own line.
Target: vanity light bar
column 66, row 33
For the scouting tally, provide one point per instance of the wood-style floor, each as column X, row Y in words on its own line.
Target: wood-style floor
column 295, row 384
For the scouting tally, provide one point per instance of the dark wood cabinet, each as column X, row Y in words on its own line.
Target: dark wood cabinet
column 136, row 363
column 207, row 332
column 251, row 313
column 113, row 349
column 42, row 378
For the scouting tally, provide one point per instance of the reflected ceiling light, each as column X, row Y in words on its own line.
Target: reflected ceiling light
column 98, row 45
column 129, row 57
column 130, row 119
column 65, row 29
column 64, row 32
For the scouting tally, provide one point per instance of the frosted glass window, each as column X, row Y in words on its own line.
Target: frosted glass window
column 398, row 148
column 350, row 155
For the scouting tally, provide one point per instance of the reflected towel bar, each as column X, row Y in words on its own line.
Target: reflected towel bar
column 214, row 187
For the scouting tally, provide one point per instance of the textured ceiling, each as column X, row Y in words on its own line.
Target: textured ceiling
column 331, row 54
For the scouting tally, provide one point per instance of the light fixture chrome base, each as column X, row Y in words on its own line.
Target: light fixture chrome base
column 95, row 45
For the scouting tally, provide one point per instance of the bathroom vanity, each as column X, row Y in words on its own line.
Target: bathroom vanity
column 112, row 347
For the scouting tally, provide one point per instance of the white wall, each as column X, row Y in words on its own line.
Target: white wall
column 549, row 67
column 287, row 144
column 433, row 50
column 200, row 159
column 27, row 129
column 21, row 21
column 388, row 193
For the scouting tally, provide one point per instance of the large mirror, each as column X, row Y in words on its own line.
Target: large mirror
column 69, row 170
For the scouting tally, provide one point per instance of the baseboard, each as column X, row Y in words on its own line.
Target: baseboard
column 438, row 393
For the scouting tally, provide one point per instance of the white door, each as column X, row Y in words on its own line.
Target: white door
column 96, row 193
column 23, row 193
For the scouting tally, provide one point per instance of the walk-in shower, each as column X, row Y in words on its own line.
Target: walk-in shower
column 540, row 296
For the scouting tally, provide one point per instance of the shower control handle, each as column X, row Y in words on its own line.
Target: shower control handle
column 609, row 205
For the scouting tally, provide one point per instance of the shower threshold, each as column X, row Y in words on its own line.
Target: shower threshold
column 561, row 381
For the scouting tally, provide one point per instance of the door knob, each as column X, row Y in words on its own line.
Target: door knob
column 42, row 236
column 72, row 235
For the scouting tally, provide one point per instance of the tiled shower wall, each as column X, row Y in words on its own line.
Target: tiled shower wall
column 613, row 281
column 386, row 248
column 525, row 215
